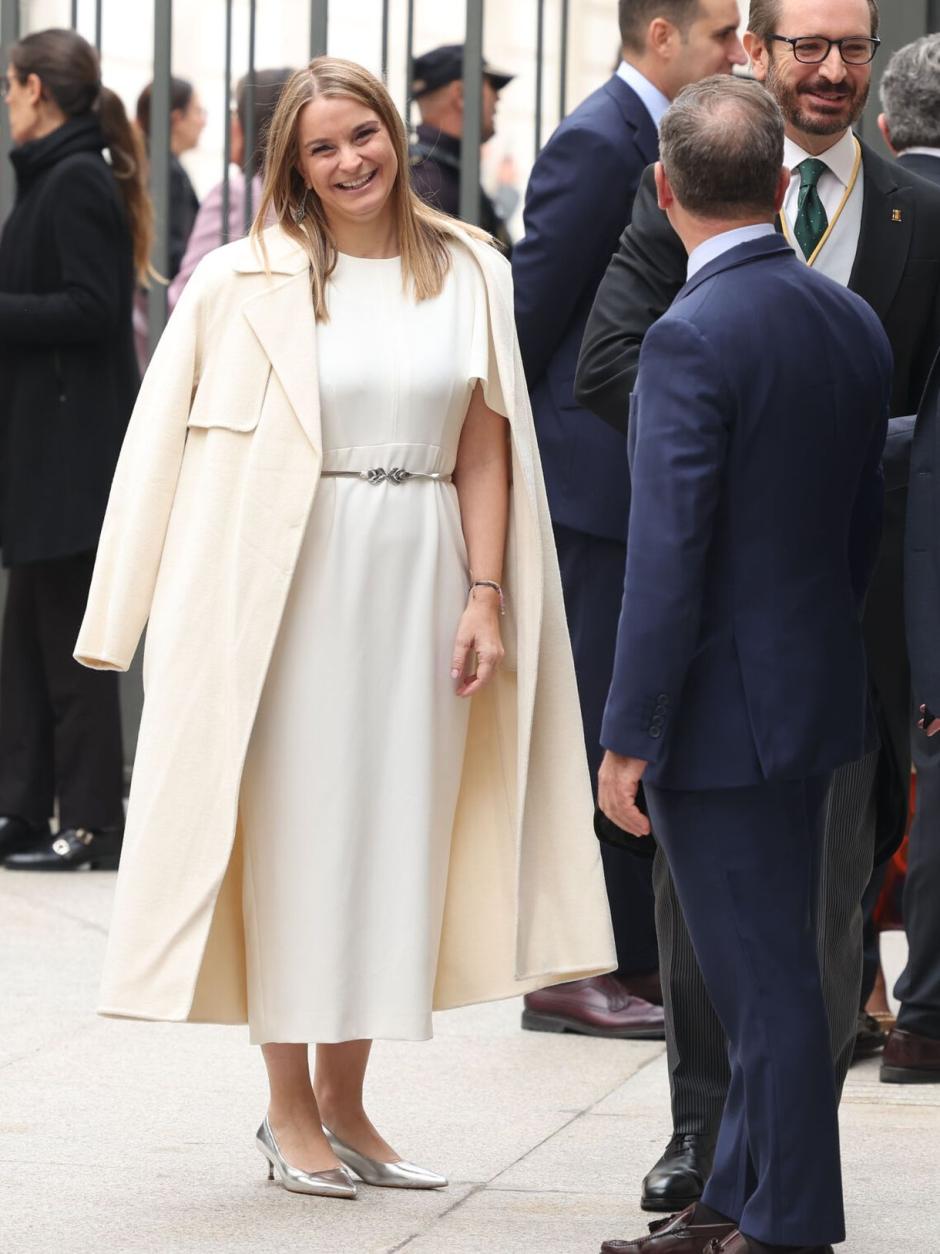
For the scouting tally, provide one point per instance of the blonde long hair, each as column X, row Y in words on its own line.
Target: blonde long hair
column 424, row 233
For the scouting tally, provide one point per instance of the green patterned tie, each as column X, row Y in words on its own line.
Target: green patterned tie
column 811, row 220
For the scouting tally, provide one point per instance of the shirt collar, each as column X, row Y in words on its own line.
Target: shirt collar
column 840, row 158
column 653, row 99
column 920, row 151
column 720, row 244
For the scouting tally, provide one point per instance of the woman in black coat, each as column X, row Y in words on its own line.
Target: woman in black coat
column 70, row 253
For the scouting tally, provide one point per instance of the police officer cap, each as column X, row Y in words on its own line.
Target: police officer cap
column 443, row 65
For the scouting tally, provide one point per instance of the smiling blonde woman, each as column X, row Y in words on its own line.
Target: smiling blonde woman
column 360, row 790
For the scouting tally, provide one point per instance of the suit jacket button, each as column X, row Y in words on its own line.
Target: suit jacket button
column 656, row 730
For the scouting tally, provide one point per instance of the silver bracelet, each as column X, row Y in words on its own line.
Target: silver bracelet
column 489, row 583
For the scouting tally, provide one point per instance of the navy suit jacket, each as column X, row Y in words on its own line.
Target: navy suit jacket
column 758, row 424
column 579, row 199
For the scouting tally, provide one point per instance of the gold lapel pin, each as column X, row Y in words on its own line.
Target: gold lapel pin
column 896, row 215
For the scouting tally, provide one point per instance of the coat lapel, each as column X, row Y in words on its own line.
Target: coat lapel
column 282, row 318
column 885, row 237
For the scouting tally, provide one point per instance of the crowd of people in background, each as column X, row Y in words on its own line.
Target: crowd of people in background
column 607, row 254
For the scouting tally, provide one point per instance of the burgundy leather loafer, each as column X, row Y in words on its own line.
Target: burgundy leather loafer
column 910, row 1058
column 600, row 1006
column 677, row 1235
column 737, row 1244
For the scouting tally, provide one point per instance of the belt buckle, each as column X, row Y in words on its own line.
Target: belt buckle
column 379, row 475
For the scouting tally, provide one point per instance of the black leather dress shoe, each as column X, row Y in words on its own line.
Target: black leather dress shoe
column 74, row 849
column 679, row 1177
column 18, row 835
column 870, row 1038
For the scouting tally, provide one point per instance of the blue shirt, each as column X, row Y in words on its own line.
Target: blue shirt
column 653, row 99
column 718, row 244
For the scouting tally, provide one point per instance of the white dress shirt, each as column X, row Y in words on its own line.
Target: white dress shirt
column 719, row 244
column 653, row 99
column 838, row 253
column 920, row 151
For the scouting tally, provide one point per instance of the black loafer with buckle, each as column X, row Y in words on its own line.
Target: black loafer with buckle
column 74, row 849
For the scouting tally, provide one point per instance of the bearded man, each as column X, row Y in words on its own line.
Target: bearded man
column 874, row 227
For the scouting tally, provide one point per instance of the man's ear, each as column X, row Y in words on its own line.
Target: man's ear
column 783, row 186
column 664, row 193
column 756, row 49
column 886, row 133
column 33, row 86
column 661, row 37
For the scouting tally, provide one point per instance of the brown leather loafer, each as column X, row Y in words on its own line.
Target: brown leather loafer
column 677, row 1235
column 910, row 1058
column 647, row 987
column 737, row 1244
column 600, row 1006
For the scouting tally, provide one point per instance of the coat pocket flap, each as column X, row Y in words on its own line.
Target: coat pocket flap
column 233, row 403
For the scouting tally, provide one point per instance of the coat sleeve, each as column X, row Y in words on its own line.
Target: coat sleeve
column 922, row 551
column 868, row 512
column 90, row 241
column 142, row 493
column 570, row 233
column 682, row 423
column 641, row 283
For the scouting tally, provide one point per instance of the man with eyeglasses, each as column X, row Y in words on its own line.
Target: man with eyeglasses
column 874, row 227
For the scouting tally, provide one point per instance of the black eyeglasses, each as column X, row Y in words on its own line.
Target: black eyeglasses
column 814, row 49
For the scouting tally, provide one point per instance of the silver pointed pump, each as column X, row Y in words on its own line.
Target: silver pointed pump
column 400, row 1175
column 333, row 1183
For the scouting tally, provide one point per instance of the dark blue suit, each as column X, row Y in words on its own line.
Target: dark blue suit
column 579, row 200
column 758, row 424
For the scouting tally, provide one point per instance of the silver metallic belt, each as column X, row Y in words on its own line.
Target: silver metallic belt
column 379, row 475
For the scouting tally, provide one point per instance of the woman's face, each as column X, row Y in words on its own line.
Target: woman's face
column 347, row 158
column 22, row 101
column 188, row 124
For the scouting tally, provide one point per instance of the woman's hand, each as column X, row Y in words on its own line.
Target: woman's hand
column 477, row 632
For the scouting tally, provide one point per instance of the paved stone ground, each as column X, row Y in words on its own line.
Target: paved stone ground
column 127, row 1137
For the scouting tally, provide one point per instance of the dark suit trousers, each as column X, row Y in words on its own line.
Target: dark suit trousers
column 745, row 862
column 592, row 571
column 918, row 989
column 695, row 1041
column 60, row 723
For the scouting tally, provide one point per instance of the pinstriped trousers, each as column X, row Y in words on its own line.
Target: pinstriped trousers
column 696, row 1047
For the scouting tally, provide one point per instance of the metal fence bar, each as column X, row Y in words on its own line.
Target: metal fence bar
column 472, row 113
column 250, row 135
column 227, row 156
column 385, row 16
column 9, row 34
column 73, row 20
column 160, row 162
column 409, row 59
column 539, row 72
column 319, row 27
column 563, row 57
column 98, row 9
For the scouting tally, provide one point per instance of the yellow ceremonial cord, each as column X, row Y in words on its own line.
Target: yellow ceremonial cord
column 831, row 227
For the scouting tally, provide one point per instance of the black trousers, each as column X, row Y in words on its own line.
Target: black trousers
column 60, row 723
column 918, row 989
column 592, row 571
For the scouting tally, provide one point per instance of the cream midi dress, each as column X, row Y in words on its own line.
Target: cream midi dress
column 354, row 765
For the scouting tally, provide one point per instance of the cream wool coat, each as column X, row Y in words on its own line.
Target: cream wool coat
column 207, row 511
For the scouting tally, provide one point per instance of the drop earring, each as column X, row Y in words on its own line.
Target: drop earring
column 300, row 210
